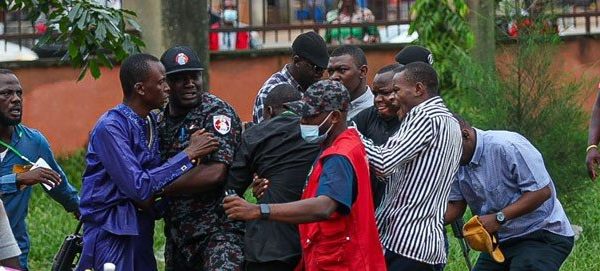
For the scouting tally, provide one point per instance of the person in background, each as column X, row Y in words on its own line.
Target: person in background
column 592, row 155
column 230, row 40
column 414, row 53
column 380, row 121
column 348, row 65
column 20, row 146
column 349, row 12
column 309, row 61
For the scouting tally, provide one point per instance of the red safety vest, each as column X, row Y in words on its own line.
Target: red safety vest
column 343, row 242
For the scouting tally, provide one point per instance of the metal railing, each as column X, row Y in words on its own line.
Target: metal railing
column 276, row 23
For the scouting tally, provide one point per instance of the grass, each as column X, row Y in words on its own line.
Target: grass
column 49, row 224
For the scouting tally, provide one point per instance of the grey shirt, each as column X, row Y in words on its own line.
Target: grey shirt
column 8, row 244
column 360, row 103
column 504, row 166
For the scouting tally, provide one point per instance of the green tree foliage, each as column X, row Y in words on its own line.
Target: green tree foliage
column 444, row 29
column 530, row 94
column 94, row 34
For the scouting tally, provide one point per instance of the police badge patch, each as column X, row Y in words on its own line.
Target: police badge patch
column 222, row 124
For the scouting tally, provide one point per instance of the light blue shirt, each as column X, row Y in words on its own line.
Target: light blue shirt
column 504, row 166
column 32, row 144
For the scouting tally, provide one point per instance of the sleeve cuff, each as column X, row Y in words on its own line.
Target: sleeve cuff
column 532, row 185
column 8, row 183
column 183, row 161
column 455, row 198
column 178, row 165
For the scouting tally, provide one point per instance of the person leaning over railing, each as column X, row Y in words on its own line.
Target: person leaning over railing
column 349, row 12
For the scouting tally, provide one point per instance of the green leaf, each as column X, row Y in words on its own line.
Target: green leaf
column 44, row 39
column 94, row 69
column 104, row 60
column 74, row 13
column 134, row 24
column 82, row 72
column 73, row 50
column 82, row 22
column 101, row 31
column 129, row 12
column 137, row 41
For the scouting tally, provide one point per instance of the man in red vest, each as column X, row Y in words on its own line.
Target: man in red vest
column 337, row 223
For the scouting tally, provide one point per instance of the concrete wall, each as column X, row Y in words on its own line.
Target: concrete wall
column 66, row 110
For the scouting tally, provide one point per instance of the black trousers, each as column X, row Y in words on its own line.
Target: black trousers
column 396, row 262
column 270, row 266
column 540, row 250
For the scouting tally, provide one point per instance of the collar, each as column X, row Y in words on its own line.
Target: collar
column 364, row 98
column 431, row 101
column 16, row 135
column 131, row 115
column 286, row 73
column 478, row 147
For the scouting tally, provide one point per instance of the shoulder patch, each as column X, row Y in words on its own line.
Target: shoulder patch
column 222, row 124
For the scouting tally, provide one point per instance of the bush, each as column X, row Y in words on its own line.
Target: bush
column 73, row 165
column 528, row 94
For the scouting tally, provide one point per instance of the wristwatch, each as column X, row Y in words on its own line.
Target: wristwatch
column 265, row 211
column 500, row 217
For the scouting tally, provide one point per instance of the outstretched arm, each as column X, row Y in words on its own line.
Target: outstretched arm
column 297, row 212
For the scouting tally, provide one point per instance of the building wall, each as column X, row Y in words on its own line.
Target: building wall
column 66, row 110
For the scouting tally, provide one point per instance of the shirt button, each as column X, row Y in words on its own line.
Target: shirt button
column 308, row 241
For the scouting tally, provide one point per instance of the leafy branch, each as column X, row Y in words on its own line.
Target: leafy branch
column 94, row 34
column 444, row 29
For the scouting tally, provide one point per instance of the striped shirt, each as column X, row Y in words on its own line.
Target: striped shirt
column 281, row 77
column 422, row 158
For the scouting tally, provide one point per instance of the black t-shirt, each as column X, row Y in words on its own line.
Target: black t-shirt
column 371, row 125
column 275, row 150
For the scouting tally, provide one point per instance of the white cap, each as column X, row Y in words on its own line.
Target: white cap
column 109, row 267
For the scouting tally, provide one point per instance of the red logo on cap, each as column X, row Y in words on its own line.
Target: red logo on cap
column 181, row 59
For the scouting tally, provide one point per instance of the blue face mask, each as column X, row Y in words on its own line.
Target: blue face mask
column 230, row 15
column 310, row 133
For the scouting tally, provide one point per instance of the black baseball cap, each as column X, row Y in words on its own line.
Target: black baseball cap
column 414, row 53
column 311, row 46
column 180, row 58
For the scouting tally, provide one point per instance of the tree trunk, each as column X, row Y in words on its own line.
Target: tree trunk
column 481, row 19
column 186, row 23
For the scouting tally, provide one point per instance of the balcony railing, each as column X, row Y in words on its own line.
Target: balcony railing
column 276, row 23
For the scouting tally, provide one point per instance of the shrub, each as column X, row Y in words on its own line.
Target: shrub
column 528, row 94
column 73, row 165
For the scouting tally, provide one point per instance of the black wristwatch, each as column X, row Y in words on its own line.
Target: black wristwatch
column 265, row 211
column 500, row 217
